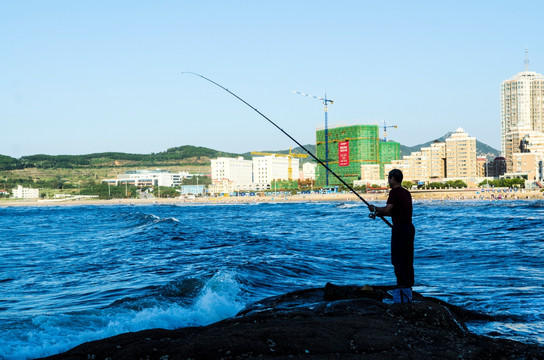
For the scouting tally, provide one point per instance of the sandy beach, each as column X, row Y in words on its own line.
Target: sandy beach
column 418, row 195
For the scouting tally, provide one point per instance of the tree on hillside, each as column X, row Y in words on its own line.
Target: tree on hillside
column 105, row 191
column 197, row 180
column 165, row 192
column 9, row 163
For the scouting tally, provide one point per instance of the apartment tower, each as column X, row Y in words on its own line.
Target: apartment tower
column 237, row 170
column 460, row 155
column 522, row 110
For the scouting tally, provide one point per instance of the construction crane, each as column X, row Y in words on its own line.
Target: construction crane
column 288, row 156
column 385, row 126
column 325, row 109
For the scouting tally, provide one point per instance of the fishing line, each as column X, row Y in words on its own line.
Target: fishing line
column 290, row 137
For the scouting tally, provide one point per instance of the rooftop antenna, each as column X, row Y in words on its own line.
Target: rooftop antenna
column 526, row 59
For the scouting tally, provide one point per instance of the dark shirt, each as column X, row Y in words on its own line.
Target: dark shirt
column 401, row 199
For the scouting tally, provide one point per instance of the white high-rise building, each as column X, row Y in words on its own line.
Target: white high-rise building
column 25, row 193
column 308, row 171
column 269, row 168
column 149, row 178
column 236, row 170
column 522, row 110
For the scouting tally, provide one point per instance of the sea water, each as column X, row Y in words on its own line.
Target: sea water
column 72, row 274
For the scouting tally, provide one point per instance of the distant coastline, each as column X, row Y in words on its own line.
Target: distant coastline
column 418, row 195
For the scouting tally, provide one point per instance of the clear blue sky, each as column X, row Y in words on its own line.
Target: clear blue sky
column 80, row 77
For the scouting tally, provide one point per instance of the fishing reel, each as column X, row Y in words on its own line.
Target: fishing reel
column 373, row 214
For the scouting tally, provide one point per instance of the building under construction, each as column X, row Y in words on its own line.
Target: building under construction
column 350, row 147
column 389, row 151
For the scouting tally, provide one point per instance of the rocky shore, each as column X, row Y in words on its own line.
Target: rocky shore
column 334, row 322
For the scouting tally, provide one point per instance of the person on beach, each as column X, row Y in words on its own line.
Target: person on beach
column 399, row 207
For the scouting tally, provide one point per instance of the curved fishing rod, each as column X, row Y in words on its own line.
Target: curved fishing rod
column 296, row 142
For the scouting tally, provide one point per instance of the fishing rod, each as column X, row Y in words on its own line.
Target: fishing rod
column 372, row 215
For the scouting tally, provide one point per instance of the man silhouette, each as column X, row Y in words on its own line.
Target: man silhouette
column 399, row 207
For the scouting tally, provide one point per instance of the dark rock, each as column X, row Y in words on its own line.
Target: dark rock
column 335, row 322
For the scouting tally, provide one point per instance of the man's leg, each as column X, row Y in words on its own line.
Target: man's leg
column 402, row 254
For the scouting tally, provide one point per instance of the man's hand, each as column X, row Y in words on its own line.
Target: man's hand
column 373, row 211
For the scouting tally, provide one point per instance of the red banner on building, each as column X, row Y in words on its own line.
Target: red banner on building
column 343, row 153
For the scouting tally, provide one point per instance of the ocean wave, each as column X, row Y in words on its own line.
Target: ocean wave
column 539, row 204
column 217, row 299
column 348, row 205
column 143, row 218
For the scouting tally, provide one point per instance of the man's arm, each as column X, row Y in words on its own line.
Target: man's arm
column 383, row 211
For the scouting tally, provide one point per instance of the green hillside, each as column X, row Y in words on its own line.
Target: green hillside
column 181, row 155
column 296, row 150
column 9, row 163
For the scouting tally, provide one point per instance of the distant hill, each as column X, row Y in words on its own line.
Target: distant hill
column 9, row 163
column 182, row 155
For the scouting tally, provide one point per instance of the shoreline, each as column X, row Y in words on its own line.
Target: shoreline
column 418, row 195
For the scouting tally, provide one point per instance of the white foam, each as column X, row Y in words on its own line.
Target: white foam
column 48, row 335
column 348, row 206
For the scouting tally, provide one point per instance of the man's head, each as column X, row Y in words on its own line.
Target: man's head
column 395, row 177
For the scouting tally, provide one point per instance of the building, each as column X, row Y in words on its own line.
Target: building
column 455, row 158
column 273, row 168
column 219, row 187
column 526, row 149
column 481, row 164
column 418, row 166
column 497, row 167
column 237, row 170
column 435, row 154
column 522, row 109
column 351, row 147
column 192, row 189
column 526, row 165
column 532, row 142
column 370, row 172
column 389, row 151
column 308, row 171
column 25, row 193
column 426, row 165
column 236, row 174
column 143, row 178
column 460, row 155
column 513, row 143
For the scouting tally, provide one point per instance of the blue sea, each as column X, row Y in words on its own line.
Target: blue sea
column 72, row 274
